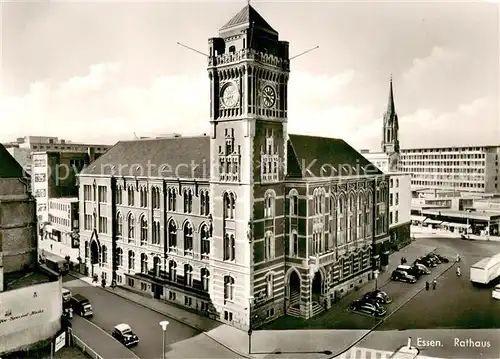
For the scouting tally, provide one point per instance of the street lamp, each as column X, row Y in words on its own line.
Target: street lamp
column 375, row 274
column 163, row 325
column 250, row 302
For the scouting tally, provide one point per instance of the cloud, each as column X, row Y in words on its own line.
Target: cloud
column 472, row 123
column 432, row 66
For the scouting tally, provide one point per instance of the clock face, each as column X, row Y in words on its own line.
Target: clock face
column 268, row 96
column 230, row 95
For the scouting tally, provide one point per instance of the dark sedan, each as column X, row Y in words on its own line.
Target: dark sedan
column 370, row 308
column 377, row 296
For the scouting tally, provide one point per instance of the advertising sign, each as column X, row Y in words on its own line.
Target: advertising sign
column 60, row 342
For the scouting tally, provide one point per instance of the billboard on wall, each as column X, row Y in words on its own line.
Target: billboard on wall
column 29, row 314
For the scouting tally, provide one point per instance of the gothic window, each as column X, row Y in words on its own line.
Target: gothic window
column 119, row 224
column 205, row 242
column 202, row 203
column 229, row 205
column 188, row 239
column 188, row 201
column 156, row 265
column 155, row 197
column 143, row 197
column 172, row 235
column 188, row 275
column 144, row 263
column 156, row 232
column 269, row 161
column 207, row 204
column 119, row 257
column 130, row 195
column 131, row 260
column 172, row 271
column 333, row 221
column 269, row 204
column 229, row 250
column 270, row 285
column 269, row 246
column 294, row 203
column 368, row 214
column 104, row 254
column 172, row 198
column 294, row 244
column 144, row 230
column 360, row 223
column 341, row 220
column 130, row 227
column 228, row 288
column 119, row 195
column 205, row 279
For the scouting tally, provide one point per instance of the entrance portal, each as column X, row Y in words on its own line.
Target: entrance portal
column 294, row 287
column 94, row 253
column 316, row 287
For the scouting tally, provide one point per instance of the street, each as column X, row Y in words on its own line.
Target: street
column 110, row 310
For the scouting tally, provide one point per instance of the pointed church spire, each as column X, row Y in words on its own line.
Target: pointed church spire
column 390, row 136
column 390, row 104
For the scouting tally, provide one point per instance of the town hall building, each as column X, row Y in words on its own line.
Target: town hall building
column 245, row 224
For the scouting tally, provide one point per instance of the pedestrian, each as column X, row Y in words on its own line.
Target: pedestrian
column 459, row 273
column 427, row 285
column 434, row 283
column 458, row 257
column 402, row 260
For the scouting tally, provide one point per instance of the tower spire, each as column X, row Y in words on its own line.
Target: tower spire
column 390, row 103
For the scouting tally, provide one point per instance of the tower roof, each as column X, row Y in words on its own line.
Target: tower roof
column 247, row 16
column 390, row 104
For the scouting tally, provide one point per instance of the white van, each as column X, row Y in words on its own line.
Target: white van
column 66, row 295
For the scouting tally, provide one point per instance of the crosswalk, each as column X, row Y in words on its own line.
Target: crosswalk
column 365, row 353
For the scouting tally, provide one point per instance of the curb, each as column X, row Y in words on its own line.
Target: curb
column 180, row 320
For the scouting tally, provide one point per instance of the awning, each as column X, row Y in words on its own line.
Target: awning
column 432, row 221
column 417, row 218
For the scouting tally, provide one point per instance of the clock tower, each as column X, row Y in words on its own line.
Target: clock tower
column 248, row 68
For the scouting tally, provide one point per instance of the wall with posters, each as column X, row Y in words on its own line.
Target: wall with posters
column 29, row 315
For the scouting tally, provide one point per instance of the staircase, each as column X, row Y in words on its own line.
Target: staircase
column 293, row 309
column 316, row 309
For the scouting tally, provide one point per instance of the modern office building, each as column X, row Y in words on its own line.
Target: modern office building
column 399, row 183
column 458, row 169
column 30, row 298
column 233, row 224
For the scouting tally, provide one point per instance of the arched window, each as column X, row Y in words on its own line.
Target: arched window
column 228, row 288
column 155, row 197
column 188, row 201
column 156, row 232
column 119, row 194
column 202, row 203
column 340, row 221
column 188, row 275
column 144, row 230
column 270, row 285
column 188, row 239
column 119, row 257
column 205, row 279
column 207, row 204
column 130, row 227
column 351, row 220
column 130, row 195
column 232, row 49
column 360, row 216
column 294, row 203
column 119, row 225
column 104, row 254
column 368, row 215
column 144, row 263
column 229, row 205
column 269, row 204
column 144, row 197
column 333, row 222
column 205, row 242
column 172, row 199
column 269, row 246
column 172, row 271
column 229, row 247
column 156, row 265
column 172, row 235
column 131, row 260
column 294, row 244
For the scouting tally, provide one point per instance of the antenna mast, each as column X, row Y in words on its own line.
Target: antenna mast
column 305, row 52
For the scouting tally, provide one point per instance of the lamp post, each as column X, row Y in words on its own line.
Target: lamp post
column 250, row 302
column 375, row 274
column 163, row 325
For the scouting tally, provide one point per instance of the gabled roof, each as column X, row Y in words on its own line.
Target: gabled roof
column 181, row 157
column 247, row 16
column 9, row 167
column 310, row 157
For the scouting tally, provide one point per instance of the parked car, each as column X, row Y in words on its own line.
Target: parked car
column 370, row 308
column 423, row 268
column 434, row 257
column 496, row 292
column 425, row 261
column 81, row 305
column 377, row 296
column 124, row 334
column 411, row 270
column 403, row 277
column 443, row 259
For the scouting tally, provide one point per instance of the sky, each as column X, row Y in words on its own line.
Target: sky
column 98, row 72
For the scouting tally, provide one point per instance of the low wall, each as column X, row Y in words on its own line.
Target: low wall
column 29, row 315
